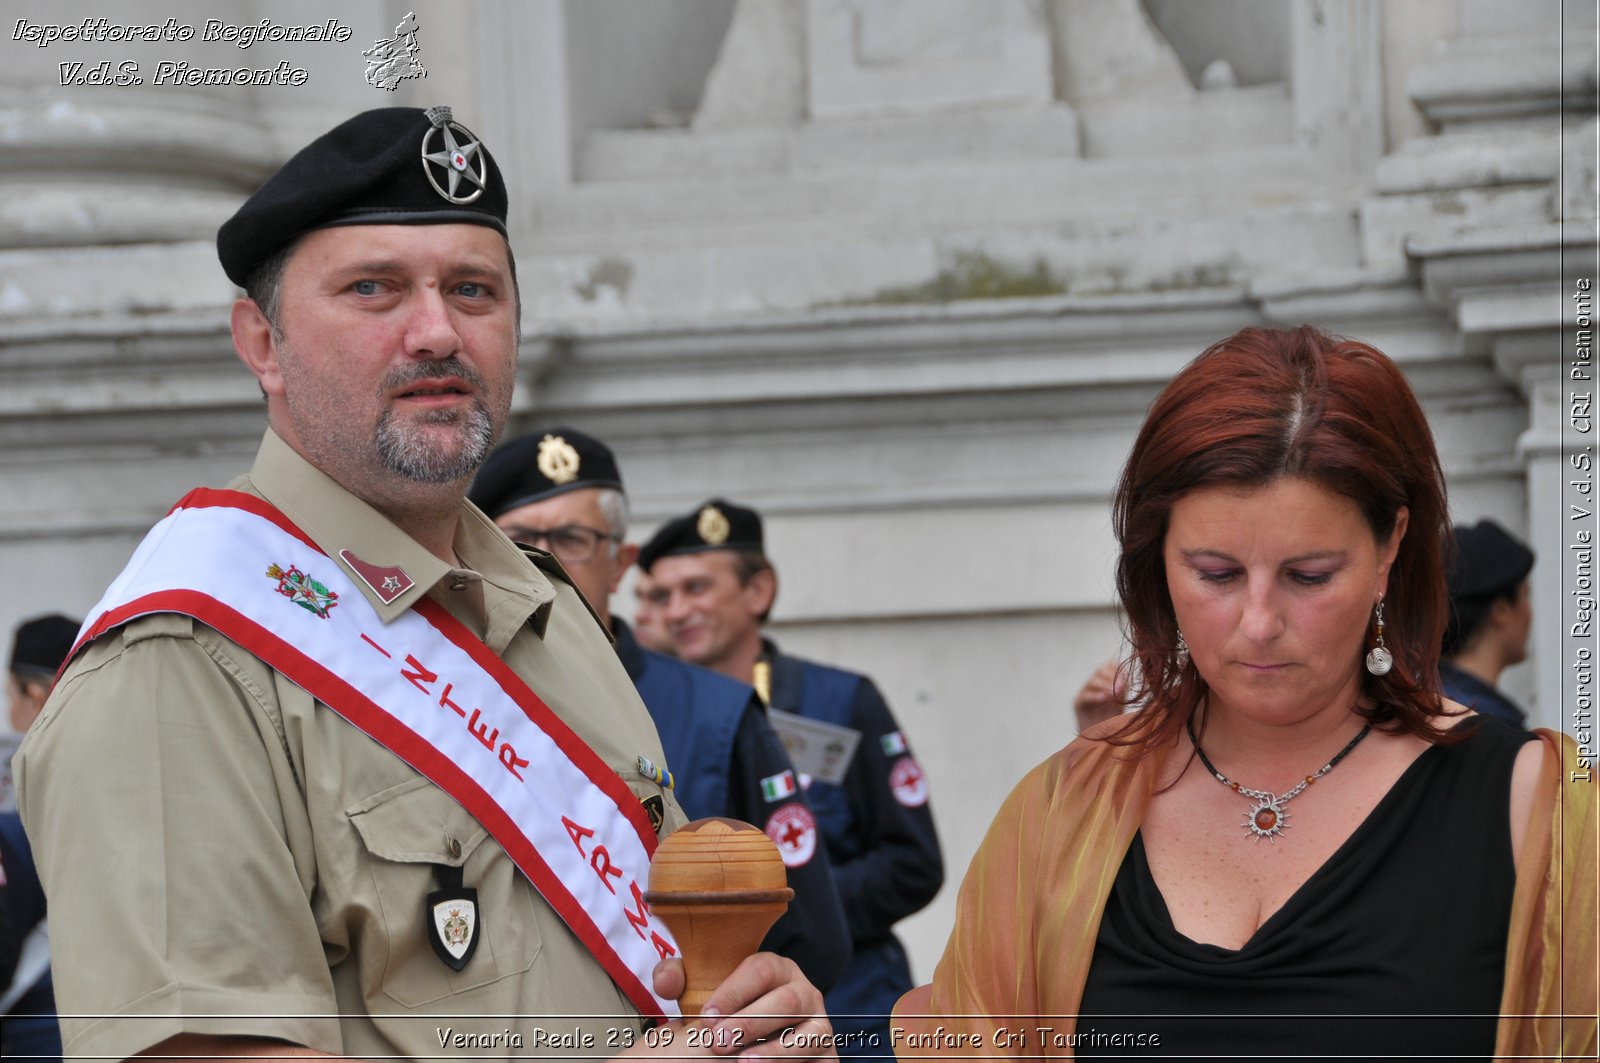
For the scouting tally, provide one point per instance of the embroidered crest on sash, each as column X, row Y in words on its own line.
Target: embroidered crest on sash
column 303, row 590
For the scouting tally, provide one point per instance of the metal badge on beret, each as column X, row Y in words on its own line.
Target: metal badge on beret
column 457, row 160
column 558, row 459
column 712, row 526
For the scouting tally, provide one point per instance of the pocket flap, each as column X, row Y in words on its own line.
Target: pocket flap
column 416, row 823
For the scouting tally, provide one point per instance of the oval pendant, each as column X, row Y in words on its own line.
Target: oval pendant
column 1266, row 820
column 1379, row 661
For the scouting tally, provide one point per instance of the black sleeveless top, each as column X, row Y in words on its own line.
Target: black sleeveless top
column 1394, row 947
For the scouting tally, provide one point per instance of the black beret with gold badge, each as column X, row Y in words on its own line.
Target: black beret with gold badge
column 390, row 166
column 536, row 466
column 714, row 525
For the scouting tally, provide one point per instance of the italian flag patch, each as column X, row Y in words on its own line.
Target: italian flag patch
column 777, row 787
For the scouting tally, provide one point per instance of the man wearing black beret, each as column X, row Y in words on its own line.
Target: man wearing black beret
column 561, row 490
column 719, row 587
column 38, row 647
column 1490, row 616
column 338, row 767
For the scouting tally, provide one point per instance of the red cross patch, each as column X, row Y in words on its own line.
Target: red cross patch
column 910, row 786
column 794, row 831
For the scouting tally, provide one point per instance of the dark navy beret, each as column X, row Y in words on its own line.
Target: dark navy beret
column 537, row 466
column 391, row 166
column 1489, row 561
column 41, row 644
column 714, row 525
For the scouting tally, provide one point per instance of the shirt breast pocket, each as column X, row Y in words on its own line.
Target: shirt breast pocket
column 407, row 832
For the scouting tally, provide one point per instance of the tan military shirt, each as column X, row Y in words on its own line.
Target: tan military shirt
column 224, row 855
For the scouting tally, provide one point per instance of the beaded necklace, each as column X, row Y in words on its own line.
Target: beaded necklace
column 1268, row 818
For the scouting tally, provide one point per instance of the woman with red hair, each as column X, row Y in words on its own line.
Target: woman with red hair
column 1294, row 845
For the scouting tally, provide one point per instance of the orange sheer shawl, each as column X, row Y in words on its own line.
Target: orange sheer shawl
column 1030, row 908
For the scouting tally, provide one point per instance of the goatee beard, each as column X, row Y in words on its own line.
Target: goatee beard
column 425, row 456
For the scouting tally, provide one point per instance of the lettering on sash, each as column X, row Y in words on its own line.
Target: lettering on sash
column 599, row 859
column 423, row 678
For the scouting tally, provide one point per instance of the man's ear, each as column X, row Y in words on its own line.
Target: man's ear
column 1501, row 614
column 761, row 591
column 627, row 554
column 252, row 342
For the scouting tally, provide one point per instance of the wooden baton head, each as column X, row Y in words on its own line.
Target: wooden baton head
column 719, row 885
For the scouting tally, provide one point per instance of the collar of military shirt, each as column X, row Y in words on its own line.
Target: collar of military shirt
column 425, row 688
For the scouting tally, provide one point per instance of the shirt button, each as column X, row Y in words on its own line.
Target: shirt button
column 455, row 849
column 459, row 585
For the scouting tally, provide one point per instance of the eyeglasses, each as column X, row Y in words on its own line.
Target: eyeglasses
column 573, row 544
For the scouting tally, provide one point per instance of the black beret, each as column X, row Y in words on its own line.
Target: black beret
column 536, row 466
column 714, row 525
column 391, row 166
column 41, row 644
column 1488, row 562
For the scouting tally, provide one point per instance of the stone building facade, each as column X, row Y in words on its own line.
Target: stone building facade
column 904, row 274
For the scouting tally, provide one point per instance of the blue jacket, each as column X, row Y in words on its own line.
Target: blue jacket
column 29, row 1028
column 880, row 836
column 726, row 760
column 1475, row 694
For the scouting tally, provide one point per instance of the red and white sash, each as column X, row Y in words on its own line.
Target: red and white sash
column 428, row 690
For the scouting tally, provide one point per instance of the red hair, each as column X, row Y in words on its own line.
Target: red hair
column 1258, row 406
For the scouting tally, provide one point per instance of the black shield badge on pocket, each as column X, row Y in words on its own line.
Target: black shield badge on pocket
column 454, row 925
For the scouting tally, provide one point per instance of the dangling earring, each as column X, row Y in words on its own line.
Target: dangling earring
column 1379, row 659
column 1183, row 650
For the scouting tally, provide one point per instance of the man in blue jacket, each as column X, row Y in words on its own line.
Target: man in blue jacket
column 561, row 491
column 1490, row 617
column 718, row 587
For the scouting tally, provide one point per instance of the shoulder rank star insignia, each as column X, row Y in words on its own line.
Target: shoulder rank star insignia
column 712, row 526
column 303, row 591
column 558, row 460
column 457, row 160
column 388, row 582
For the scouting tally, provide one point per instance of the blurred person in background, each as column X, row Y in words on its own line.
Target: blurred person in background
column 719, row 588
column 1491, row 613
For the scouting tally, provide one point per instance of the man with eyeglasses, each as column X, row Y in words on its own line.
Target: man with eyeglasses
column 561, row 491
